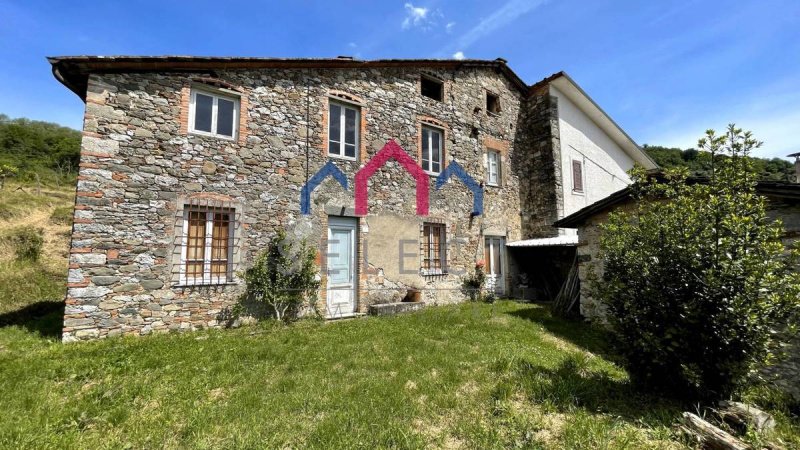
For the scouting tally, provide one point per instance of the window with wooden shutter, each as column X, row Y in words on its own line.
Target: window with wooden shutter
column 434, row 248
column 207, row 246
column 577, row 176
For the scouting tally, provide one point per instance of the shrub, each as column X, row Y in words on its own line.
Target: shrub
column 696, row 279
column 27, row 242
column 472, row 284
column 282, row 278
column 62, row 215
column 6, row 171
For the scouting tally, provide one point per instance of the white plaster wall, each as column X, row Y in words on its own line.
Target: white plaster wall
column 604, row 163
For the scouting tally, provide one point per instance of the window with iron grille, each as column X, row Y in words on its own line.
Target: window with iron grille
column 434, row 248
column 207, row 252
column 577, row 176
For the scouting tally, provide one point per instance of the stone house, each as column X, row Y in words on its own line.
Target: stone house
column 403, row 173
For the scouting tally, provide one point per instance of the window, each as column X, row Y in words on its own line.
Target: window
column 207, row 247
column 343, row 124
column 492, row 103
column 577, row 176
column 432, row 153
column 493, row 168
column 434, row 249
column 213, row 114
column 432, row 88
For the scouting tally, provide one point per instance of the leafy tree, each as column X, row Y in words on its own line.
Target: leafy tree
column 696, row 279
column 282, row 278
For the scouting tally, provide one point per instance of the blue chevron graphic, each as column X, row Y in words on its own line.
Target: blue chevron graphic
column 455, row 169
column 328, row 170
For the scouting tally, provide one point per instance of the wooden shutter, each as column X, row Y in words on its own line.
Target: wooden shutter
column 577, row 176
column 195, row 245
column 220, row 246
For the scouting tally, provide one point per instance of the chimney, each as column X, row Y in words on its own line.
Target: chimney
column 796, row 166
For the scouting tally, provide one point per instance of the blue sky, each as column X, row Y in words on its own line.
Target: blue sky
column 664, row 70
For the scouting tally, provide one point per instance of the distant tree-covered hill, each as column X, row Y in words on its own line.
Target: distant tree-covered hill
column 699, row 163
column 46, row 149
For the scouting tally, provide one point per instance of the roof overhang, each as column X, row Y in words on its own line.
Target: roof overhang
column 773, row 189
column 570, row 240
column 73, row 71
column 566, row 85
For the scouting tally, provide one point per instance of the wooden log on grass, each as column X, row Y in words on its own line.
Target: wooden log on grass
column 746, row 416
column 710, row 436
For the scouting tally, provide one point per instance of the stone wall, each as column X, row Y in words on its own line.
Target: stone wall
column 539, row 165
column 140, row 167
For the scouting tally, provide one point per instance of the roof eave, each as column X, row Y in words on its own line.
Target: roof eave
column 73, row 71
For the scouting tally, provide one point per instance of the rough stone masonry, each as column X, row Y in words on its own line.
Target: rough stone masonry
column 141, row 168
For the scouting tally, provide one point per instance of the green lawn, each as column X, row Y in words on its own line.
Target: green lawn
column 467, row 376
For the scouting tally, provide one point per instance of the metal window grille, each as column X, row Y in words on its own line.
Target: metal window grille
column 206, row 242
column 434, row 248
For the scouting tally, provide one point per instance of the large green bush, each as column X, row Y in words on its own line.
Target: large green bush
column 27, row 242
column 696, row 278
column 282, row 279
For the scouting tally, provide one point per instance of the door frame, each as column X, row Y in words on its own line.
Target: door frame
column 501, row 282
column 351, row 224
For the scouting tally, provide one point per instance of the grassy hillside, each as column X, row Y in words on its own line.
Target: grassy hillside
column 34, row 288
column 699, row 163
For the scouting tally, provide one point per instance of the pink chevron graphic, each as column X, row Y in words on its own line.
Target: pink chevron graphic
column 392, row 150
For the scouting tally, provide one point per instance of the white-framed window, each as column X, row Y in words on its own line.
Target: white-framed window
column 343, row 125
column 434, row 248
column 207, row 246
column 432, row 150
column 493, row 162
column 577, row 176
column 213, row 114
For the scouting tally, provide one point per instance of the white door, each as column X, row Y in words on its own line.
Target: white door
column 495, row 254
column 341, row 259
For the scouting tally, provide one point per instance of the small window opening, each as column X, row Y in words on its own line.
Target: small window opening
column 577, row 176
column 432, row 88
column 492, row 103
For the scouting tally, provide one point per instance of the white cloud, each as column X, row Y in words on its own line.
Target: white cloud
column 449, row 27
column 503, row 16
column 415, row 16
column 458, row 55
column 352, row 44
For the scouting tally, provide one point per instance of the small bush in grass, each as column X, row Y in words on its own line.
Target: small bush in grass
column 282, row 278
column 27, row 242
column 696, row 279
column 473, row 283
column 62, row 215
